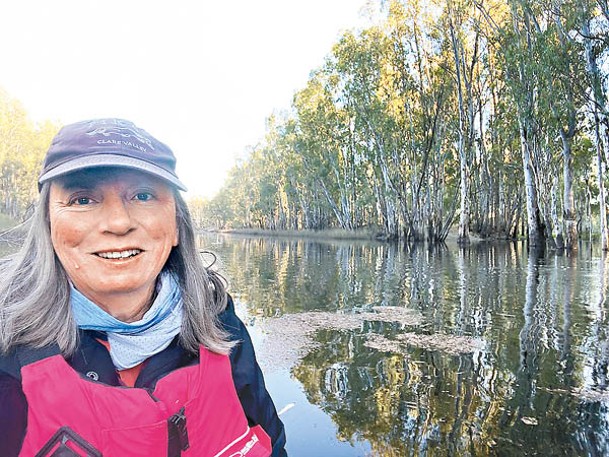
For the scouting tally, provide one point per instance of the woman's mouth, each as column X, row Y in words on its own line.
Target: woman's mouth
column 118, row 254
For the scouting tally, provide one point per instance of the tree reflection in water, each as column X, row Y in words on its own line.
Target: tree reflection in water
column 538, row 386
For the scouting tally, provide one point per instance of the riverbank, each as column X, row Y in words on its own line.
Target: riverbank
column 365, row 234
column 335, row 234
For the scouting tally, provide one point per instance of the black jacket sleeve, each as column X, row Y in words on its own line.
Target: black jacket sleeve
column 13, row 415
column 249, row 382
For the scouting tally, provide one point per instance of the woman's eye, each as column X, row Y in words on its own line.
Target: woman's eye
column 143, row 196
column 81, row 201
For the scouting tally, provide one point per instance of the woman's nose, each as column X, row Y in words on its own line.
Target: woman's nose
column 116, row 217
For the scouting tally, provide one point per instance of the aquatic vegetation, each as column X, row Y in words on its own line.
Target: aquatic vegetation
column 292, row 336
column 450, row 344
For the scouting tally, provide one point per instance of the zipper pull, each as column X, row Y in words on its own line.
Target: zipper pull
column 177, row 426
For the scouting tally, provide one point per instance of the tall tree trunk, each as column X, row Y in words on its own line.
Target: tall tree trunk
column 465, row 133
column 602, row 203
column 557, row 235
column 600, row 119
column 534, row 220
column 569, row 216
column 464, row 201
column 333, row 206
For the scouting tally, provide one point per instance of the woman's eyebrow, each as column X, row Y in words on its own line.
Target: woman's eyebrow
column 78, row 183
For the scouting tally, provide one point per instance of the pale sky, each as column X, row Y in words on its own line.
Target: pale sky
column 201, row 76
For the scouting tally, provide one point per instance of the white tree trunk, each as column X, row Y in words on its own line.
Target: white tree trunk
column 536, row 235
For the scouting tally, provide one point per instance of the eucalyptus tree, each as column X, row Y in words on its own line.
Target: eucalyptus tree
column 504, row 210
column 284, row 182
column 564, row 62
column 263, row 189
column 519, row 32
column 295, row 195
column 417, row 88
column 464, row 38
column 520, row 69
column 239, row 193
column 567, row 131
column 323, row 145
column 22, row 148
column 358, row 62
column 559, row 67
column 496, row 184
column 595, row 37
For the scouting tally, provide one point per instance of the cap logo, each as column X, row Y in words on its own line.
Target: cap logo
column 122, row 132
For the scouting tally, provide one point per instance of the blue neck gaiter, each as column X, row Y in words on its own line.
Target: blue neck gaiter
column 133, row 342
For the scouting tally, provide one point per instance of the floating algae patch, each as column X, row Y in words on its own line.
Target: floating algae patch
column 449, row 344
column 290, row 337
column 354, row 321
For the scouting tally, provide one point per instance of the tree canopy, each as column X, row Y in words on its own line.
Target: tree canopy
column 489, row 114
column 23, row 145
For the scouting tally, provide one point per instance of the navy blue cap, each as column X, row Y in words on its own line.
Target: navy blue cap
column 108, row 143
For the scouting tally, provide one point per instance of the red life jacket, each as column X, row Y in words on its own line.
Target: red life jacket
column 193, row 411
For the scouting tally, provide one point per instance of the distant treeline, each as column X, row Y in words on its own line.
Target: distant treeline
column 22, row 148
column 489, row 115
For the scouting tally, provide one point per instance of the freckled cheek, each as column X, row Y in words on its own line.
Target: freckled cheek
column 160, row 227
column 66, row 235
column 166, row 235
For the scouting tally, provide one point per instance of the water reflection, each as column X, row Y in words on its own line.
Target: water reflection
column 538, row 387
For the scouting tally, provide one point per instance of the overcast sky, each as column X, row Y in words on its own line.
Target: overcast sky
column 202, row 76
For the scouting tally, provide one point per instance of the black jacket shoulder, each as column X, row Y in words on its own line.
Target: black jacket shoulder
column 13, row 412
column 249, row 381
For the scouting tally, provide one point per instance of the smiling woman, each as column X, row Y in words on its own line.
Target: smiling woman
column 113, row 231
column 109, row 291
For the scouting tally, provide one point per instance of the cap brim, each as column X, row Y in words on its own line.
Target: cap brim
column 111, row 160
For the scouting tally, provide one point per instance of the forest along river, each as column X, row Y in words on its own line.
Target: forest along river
column 375, row 349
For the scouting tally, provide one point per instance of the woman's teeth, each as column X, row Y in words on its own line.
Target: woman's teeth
column 119, row 254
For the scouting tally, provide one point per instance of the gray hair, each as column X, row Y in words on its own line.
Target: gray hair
column 35, row 293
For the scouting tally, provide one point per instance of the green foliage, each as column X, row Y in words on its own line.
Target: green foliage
column 22, row 148
column 384, row 131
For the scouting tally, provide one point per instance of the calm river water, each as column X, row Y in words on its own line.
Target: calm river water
column 486, row 351
column 373, row 349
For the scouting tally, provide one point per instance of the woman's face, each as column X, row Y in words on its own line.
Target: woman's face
column 113, row 231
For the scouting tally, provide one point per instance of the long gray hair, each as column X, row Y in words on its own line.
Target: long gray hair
column 35, row 292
